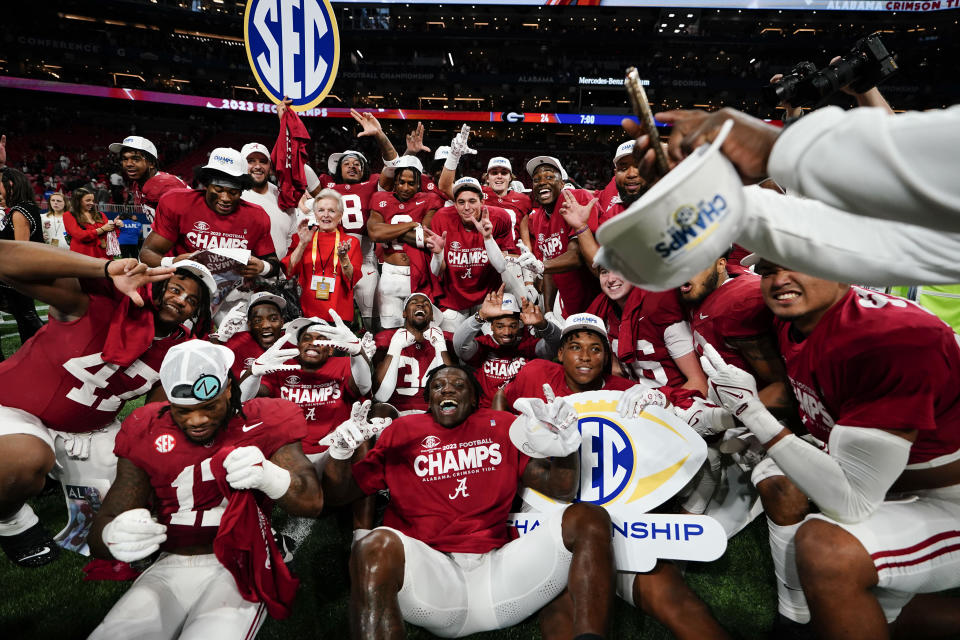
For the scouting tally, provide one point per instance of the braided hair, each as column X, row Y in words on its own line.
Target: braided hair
column 203, row 320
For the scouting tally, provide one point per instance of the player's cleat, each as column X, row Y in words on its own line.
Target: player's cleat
column 31, row 548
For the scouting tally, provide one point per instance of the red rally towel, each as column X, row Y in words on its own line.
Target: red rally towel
column 131, row 329
column 628, row 321
column 288, row 157
column 245, row 547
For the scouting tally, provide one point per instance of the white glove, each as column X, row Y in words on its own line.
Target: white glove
column 77, row 445
column 434, row 336
column 369, row 345
column 458, row 147
column 545, row 429
column 401, row 340
column 637, row 398
column 133, row 535
column 353, row 431
column 234, row 322
column 274, row 358
column 733, row 387
column 247, row 468
column 705, row 418
column 529, row 262
column 339, row 336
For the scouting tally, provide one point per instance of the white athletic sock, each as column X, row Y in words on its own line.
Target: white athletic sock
column 791, row 602
column 19, row 522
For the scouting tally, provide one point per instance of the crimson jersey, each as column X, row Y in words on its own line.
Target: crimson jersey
column 395, row 211
column 245, row 351
column 356, row 202
column 607, row 194
column 516, row 204
column 529, row 382
column 650, row 320
column 149, row 194
column 60, row 377
column 468, row 276
column 323, row 395
column 734, row 310
column 496, row 364
column 184, row 219
column 416, row 361
column 449, row 488
column 550, row 235
column 614, row 208
column 881, row 362
column 188, row 500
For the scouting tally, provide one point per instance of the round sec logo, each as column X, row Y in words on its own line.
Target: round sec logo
column 293, row 47
column 604, row 439
column 165, row 443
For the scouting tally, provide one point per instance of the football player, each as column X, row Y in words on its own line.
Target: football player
column 405, row 356
column 263, row 319
column 96, row 351
column 498, row 357
column 191, row 460
column 397, row 220
column 878, row 380
column 443, row 560
column 141, row 172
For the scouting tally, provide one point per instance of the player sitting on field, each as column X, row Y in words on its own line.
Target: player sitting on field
column 443, row 560
column 198, row 460
column 97, row 351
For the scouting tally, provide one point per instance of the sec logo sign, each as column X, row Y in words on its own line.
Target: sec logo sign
column 293, row 47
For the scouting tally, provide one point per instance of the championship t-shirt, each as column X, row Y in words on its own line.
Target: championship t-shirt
column 495, row 365
column 188, row 500
column 529, row 382
column 449, row 488
column 184, row 219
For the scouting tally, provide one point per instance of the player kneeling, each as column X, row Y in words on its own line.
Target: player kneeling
column 443, row 560
column 195, row 459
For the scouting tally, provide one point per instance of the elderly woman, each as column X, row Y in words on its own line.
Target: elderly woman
column 325, row 260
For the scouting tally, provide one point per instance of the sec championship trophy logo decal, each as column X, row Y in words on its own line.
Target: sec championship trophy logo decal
column 293, row 47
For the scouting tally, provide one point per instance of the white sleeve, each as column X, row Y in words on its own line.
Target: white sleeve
column 360, row 370
column 825, row 242
column 850, row 482
column 464, row 338
column 312, row 180
column 389, row 383
column 898, row 167
column 678, row 339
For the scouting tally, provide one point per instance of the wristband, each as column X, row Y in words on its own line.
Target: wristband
column 166, row 261
column 579, row 231
column 391, row 163
column 106, row 268
column 477, row 317
column 267, row 267
column 419, row 232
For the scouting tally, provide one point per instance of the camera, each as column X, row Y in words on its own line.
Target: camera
column 867, row 65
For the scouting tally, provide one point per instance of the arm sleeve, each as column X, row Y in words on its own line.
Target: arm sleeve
column 905, row 158
column 312, row 180
column 464, row 342
column 360, row 371
column 828, row 243
column 678, row 339
column 389, row 383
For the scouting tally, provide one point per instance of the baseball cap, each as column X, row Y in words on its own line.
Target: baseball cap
column 624, row 149
column 295, row 326
column 263, row 297
column 681, row 225
column 201, row 272
column 750, row 259
column 411, row 296
column 254, row 147
column 510, row 304
column 225, row 167
column 403, row 162
column 195, row 371
column 585, row 321
column 441, row 153
column 467, row 183
column 519, row 187
column 499, row 161
column 533, row 163
column 335, row 158
column 134, row 142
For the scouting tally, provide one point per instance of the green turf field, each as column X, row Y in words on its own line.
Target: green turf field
column 53, row 602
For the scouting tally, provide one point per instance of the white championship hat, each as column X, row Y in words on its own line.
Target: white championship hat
column 254, row 147
column 228, row 161
column 509, row 304
column 533, row 163
column 262, row 297
column 334, row 159
column 195, row 371
column 624, row 149
column 441, row 153
column 588, row 321
column 201, row 272
column 680, row 225
column 134, row 142
column 403, row 162
column 467, row 183
column 499, row 161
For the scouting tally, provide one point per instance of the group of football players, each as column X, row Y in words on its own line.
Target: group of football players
column 480, row 308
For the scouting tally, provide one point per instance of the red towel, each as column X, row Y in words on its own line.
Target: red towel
column 288, row 157
column 245, row 547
